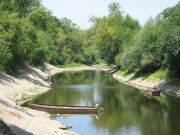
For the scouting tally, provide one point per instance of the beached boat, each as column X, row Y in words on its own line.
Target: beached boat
column 65, row 109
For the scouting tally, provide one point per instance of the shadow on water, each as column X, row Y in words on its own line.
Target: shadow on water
column 126, row 111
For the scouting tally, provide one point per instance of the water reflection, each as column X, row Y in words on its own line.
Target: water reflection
column 126, row 111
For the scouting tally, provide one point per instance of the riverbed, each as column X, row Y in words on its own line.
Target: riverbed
column 126, row 111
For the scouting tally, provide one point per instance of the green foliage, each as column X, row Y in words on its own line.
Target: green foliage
column 22, row 7
column 114, row 9
column 151, row 47
column 72, row 65
column 157, row 47
column 41, row 50
column 159, row 75
column 108, row 45
column 29, row 33
column 5, row 56
column 112, row 33
column 171, row 36
column 39, row 17
column 14, row 37
column 145, row 53
column 131, row 59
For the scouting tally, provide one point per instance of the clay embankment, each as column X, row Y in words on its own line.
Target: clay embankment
column 169, row 87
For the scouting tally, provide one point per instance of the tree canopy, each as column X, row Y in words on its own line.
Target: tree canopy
column 30, row 34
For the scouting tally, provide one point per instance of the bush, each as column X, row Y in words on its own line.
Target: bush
column 131, row 59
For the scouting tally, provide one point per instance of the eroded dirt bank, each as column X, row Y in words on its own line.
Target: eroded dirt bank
column 167, row 87
column 30, row 81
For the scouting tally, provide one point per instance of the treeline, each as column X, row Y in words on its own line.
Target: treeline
column 30, row 34
column 156, row 45
column 111, row 34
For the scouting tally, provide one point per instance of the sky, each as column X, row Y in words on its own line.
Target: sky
column 79, row 11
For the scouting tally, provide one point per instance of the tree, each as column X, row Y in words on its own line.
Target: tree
column 22, row 7
column 171, row 37
column 158, row 46
column 107, row 40
column 41, row 51
column 114, row 8
column 113, row 33
column 151, row 46
column 5, row 55
column 131, row 59
column 39, row 18
column 17, row 39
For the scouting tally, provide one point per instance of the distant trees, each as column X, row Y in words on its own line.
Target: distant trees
column 108, row 41
column 15, row 40
column 112, row 32
column 171, row 38
column 156, row 45
column 22, row 7
column 29, row 33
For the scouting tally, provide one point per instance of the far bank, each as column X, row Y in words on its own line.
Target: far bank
column 168, row 86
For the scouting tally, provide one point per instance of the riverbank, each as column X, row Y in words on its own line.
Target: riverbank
column 166, row 86
column 30, row 82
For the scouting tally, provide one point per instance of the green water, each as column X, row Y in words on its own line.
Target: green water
column 126, row 111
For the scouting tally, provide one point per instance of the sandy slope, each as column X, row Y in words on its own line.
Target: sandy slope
column 167, row 87
column 31, row 81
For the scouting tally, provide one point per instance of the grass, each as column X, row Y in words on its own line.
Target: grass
column 155, row 76
column 125, row 73
column 159, row 75
column 72, row 65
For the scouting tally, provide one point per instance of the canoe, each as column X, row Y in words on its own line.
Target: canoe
column 65, row 109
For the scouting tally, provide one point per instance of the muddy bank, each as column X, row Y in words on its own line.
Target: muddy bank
column 30, row 82
column 166, row 87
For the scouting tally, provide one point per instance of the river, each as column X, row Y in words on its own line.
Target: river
column 126, row 111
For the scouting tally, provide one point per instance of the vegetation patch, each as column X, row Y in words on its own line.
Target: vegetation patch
column 155, row 76
column 125, row 73
column 159, row 75
column 72, row 65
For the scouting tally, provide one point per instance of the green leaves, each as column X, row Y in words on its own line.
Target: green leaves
column 114, row 8
column 39, row 17
column 30, row 34
column 157, row 45
column 112, row 33
column 21, row 7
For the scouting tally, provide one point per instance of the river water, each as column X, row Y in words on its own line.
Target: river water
column 126, row 111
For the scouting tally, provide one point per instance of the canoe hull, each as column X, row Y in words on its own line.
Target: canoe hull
column 65, row 109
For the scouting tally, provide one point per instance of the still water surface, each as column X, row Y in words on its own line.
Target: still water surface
column 126, row 111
